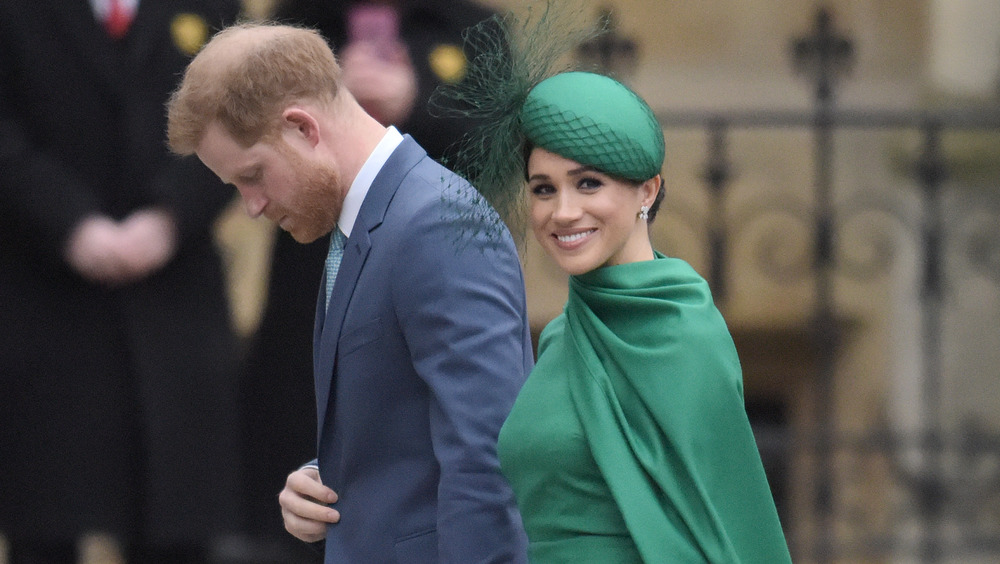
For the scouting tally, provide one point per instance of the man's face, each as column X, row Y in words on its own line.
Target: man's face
column 303, row 196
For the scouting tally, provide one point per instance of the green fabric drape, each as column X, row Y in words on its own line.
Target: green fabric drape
column 656, row 382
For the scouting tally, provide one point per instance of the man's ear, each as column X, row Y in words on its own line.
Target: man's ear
column 301, row 125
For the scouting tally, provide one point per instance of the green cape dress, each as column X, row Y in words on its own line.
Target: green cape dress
column 630, row 441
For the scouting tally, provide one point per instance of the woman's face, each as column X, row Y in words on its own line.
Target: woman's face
column 585, row 219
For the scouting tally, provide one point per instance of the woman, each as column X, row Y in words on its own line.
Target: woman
column 629, row 442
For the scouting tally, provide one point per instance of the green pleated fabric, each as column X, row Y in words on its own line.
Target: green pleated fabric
column 655, row 385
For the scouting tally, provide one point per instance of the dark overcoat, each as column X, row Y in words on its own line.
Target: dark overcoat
column 118, row 403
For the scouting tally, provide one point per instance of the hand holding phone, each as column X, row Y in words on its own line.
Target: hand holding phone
column 376, row 25
column 376, row 64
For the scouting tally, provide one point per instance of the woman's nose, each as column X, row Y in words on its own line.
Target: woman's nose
column 567, row 208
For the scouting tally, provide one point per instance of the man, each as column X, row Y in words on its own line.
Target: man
column 421, row 341
column 118, row 357
column 424, row 41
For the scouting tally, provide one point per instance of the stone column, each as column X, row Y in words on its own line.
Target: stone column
column 964, row 47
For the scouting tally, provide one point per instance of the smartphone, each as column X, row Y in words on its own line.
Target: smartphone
column 376, row 24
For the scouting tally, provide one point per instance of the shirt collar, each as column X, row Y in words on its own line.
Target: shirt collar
column 102, row 7
column 363, row 181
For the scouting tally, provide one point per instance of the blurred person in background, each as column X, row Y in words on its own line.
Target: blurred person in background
column 392, row 55
column 117, row 369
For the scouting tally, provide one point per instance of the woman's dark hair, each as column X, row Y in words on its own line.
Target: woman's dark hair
column 528, row 146
column 656, row 201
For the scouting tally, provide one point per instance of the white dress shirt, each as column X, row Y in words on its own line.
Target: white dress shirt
column 102, row 7
column 363, row 181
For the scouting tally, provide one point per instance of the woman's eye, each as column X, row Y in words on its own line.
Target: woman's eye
column 542, row 190
column 590, row 183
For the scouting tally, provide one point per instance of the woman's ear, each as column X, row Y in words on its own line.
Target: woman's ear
column 650, row 188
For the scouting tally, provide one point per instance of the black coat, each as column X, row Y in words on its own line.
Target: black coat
column 277, row 387
column 121, row 401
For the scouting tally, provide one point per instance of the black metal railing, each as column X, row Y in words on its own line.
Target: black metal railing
column 944, row 504
column 930, row 486
column 940, row 479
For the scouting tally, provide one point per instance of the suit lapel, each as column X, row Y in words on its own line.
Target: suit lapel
column 150, row 29
column 355, row 252
column 329, row 323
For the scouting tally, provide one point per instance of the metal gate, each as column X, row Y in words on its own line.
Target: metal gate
column 937, row 482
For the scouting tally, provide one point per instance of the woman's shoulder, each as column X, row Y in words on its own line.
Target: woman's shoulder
column 552, row 332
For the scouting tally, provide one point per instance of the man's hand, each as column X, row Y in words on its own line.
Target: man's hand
column 303, row 505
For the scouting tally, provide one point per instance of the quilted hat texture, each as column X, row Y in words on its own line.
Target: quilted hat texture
column 595, row 121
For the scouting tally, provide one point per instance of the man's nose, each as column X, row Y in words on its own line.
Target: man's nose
column 254, row 202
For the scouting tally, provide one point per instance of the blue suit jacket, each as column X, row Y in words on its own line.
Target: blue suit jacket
column 417, row 362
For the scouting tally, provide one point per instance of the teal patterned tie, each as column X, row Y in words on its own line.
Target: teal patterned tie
column 333, row 259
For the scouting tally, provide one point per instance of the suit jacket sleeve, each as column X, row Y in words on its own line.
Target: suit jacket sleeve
column 461, row 308
column 192, row 193
column 183, row 185
column 46, row 215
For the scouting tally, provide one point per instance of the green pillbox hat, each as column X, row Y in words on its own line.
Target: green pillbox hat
column 595, row 121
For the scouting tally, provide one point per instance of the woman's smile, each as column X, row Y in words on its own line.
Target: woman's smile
column 570, row 241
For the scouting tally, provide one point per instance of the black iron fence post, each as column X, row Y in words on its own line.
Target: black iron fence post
column 953, row 479
column 825, row 57
column 717, row 175
column 931, row 494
